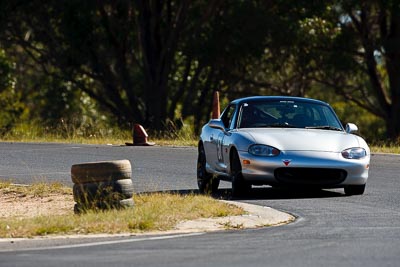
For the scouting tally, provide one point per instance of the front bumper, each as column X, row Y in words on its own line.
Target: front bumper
column 324, row 169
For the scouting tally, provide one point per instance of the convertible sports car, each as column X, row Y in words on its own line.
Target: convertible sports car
column 281, row 141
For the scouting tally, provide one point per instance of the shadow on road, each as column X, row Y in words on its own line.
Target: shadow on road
column 267, row 193
column 272, row 193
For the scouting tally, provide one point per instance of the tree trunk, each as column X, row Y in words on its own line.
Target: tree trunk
column 393, row 69
column 392, row 58
column 159, row 28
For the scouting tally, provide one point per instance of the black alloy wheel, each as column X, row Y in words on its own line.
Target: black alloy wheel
column 239, row 186
column 207, row 183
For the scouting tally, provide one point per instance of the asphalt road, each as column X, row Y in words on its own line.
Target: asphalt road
column 331, row 229
column 153, row 168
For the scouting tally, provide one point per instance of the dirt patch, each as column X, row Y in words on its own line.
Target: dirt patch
column 19, row 205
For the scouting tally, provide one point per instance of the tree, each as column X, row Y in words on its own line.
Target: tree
column 285, row 66
column 352, row 47
column 376, row 25
column 88, row 45
column 225, row 39
column 156, row 61
column 140, row 60
column 10, row 99
column 121, row 53
column 355, row 48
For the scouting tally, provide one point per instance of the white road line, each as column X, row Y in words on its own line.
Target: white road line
column 102, row 243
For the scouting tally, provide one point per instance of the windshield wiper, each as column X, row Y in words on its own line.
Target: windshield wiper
column 325, row 127
column 281, row 125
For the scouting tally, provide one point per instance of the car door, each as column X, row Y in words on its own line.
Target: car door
column 210, row 141
column 221, row 146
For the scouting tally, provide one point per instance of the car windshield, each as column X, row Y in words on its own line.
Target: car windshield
column 288, row 114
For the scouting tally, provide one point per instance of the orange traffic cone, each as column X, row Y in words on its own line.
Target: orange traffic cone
column 216, row 112
column 140, row 136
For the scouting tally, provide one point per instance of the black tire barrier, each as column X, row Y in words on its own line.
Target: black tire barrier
column 119, row 189
column 102, row 171
column 102, row 185
column 80, row 208
column 127, row 202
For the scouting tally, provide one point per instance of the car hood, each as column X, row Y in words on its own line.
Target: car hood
column 304, row 139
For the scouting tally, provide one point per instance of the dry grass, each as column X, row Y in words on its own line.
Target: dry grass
column 106, row 141
column 41, row 209
column 96, row 134
column 395, row 149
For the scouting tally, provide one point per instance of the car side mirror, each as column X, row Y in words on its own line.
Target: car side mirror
column 351, row 128
column 216, row 124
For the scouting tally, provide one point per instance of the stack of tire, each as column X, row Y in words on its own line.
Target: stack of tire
column 102, row 185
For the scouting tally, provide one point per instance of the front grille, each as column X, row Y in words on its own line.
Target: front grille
column 310, row 176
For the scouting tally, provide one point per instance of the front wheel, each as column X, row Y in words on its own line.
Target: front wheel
column 206, row 182
column 354, row 189
column 239, row 186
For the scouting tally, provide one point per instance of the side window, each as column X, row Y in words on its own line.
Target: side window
column 227, row 116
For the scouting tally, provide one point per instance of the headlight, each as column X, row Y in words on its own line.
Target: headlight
column 354, row 153
column 263, row 150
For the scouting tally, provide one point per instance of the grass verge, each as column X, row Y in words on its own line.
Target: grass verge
column 96, row 134
column 104, row 140
column 394, row 149
column 152, row 212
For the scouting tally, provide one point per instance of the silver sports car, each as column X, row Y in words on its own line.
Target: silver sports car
column 281, row 141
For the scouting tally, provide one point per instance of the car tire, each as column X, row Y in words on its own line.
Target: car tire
column 239, row 186
column 127, row 203
column 78, row 209
column 102, row 171
column 122, row 204
column 207, row 183
column 354, row 189
column 93, row 192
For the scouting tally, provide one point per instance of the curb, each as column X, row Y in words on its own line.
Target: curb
column 255, row 217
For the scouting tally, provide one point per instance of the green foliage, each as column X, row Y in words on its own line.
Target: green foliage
column 369, row 126
column 11, row 104
column 123, row 62
column 6, row 72
column 11, row 111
